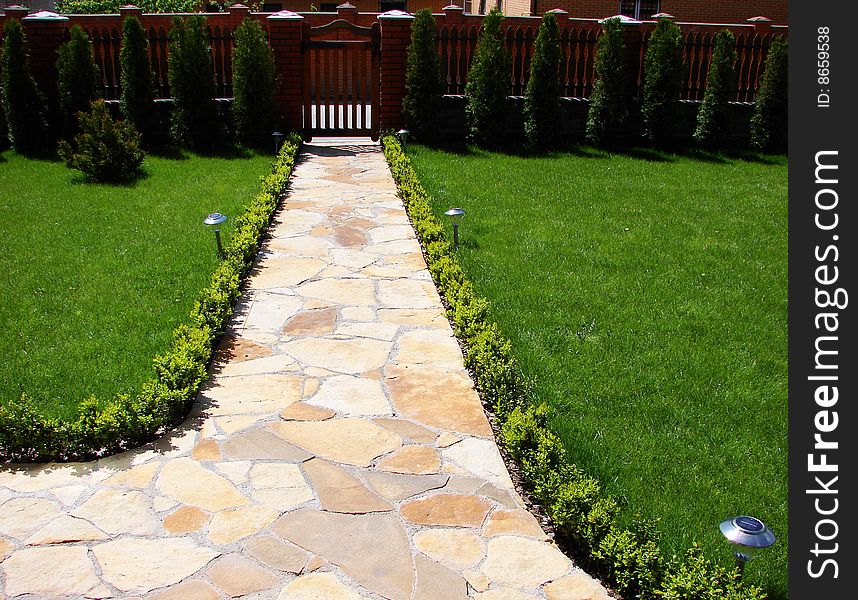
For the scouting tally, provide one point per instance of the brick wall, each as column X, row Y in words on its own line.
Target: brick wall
column 692, row 11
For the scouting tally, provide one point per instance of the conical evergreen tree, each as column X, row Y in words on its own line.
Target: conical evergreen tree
column 23, row 103
column 137, row 102
column 423, row 86
column 609, row 100
column 663, row 71
column 253, row 84
column 713, row 124
column 542, row 96
column 78, row 78
column 488, row 83
column 769, row 123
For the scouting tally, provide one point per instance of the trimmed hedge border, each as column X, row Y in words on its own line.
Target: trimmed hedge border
column 629, row 559
column 126, row 421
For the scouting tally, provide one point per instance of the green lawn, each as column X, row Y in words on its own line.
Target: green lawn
column 646, row 295
column 95, row 277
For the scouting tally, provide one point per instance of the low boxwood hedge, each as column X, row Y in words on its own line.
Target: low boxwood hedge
column 629, row 559
column 126, row 421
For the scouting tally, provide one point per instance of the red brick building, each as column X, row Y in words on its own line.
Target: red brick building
column 693, row 11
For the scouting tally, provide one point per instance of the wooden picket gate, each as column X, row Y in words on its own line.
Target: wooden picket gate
column 341, row 80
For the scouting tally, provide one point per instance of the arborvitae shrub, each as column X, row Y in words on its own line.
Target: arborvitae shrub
column 663, row 72
column 769, row 122
column 253, row 83
column 196, row 122
column 609, row 100
column 137, row 102
column 542, row 96
column 105, row 150
column 77, row 78
column 713, row 121
column 488, row 83
column 423, row 87
column 23, row 103
column 93, row 7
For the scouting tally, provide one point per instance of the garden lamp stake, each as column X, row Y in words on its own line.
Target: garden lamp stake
column 456, row 215
column 214, row 220
column 278, row 139
column 747, row 535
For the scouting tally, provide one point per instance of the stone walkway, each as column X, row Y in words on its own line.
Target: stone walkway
column 339, row 452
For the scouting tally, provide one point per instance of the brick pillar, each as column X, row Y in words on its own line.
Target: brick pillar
column 453, row 14
column 395, row 39
column 16, row 11
column 130, row 10
column 761, row 24
column 237, row 14
column 348, row 12
column 286, row 31
column 46, row 32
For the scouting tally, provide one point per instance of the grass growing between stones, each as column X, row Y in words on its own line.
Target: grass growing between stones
column 96, row 277
column 647, row 298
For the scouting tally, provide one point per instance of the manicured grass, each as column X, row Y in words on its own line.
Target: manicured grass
column 646, row 298
column 96, row 277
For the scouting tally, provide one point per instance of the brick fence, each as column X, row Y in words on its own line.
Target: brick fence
column 457, row 36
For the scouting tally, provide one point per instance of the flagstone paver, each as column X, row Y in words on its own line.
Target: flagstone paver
column 338, row 452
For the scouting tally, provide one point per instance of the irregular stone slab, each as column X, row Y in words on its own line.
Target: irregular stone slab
column 234, row 524
column 434, row 347
column 306, row 412
column 389, row 233
column 236, row 471
column 284, row 272
column 277, row 363
column 234, row 423
column 6, row 549
column 378, row 331
column 454, row 548
column 408, row 429
column 294, row 221
column 139, row 566
column 350, row 440
column 414, row 459
column 36, row 478
column 353, row 259
column 239, row 576
column 66, row 529
column 318, row 586
column 206, row 450
column 454, row 510
column 358, row 313
column 447, row 439
column 521, row 563
column 236, row 349
column 406, row 293
column 351, row 356
column 50, row 571
column 314, row 322
column 435, row 581
column 349, row 237
column 437, row 398
column 68, row 494
column 396, row 487
column 261, row 444
column 185, row 520
column 577, row 586
column 352, row 395
column 276, row 476
column 508, row 497
column 482, row 458
column 395, row 247
column 193, row 589
column 476, row 580
column 340, row 291
column 274, row 553
column 426, row 317
column 504, row 594
column 339, row 491
column 187, row 481
column 283, row 499
column 116, row 511
column 163, row 504
column 136, row 477
column 270, row 311
column 302, row 246
column 255, row 394
column 383, row 568
column 513, row 522
column 22, row 517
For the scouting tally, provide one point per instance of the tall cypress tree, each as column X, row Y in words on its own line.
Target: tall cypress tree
column 488, row 83
column 253, row 84
column 769, row 122
column 542, row 96
column 423, row 86
column 713, row 123
column 23, row 103
column 77, row 78
column 663, row 71
column 196, row 123
column 137, row 102
column 609, row 100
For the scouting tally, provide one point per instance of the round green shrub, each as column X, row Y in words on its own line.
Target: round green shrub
column 663, row 72
column 23, row 103
column 713, row 122
column 609, row 100
column 488, row 83
column 769, row 122
column 137, row 102
column 77, row 78
column 105, row 150
column 542, row 96
column 423, row 86
column 253, row 84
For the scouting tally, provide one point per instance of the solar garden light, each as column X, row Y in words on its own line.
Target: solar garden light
column 456, row 215
column 213, row 221
column 403, row 134
column 747, row 535
column 278, row 139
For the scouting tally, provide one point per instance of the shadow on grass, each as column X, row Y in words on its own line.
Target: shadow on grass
column 78, row 178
